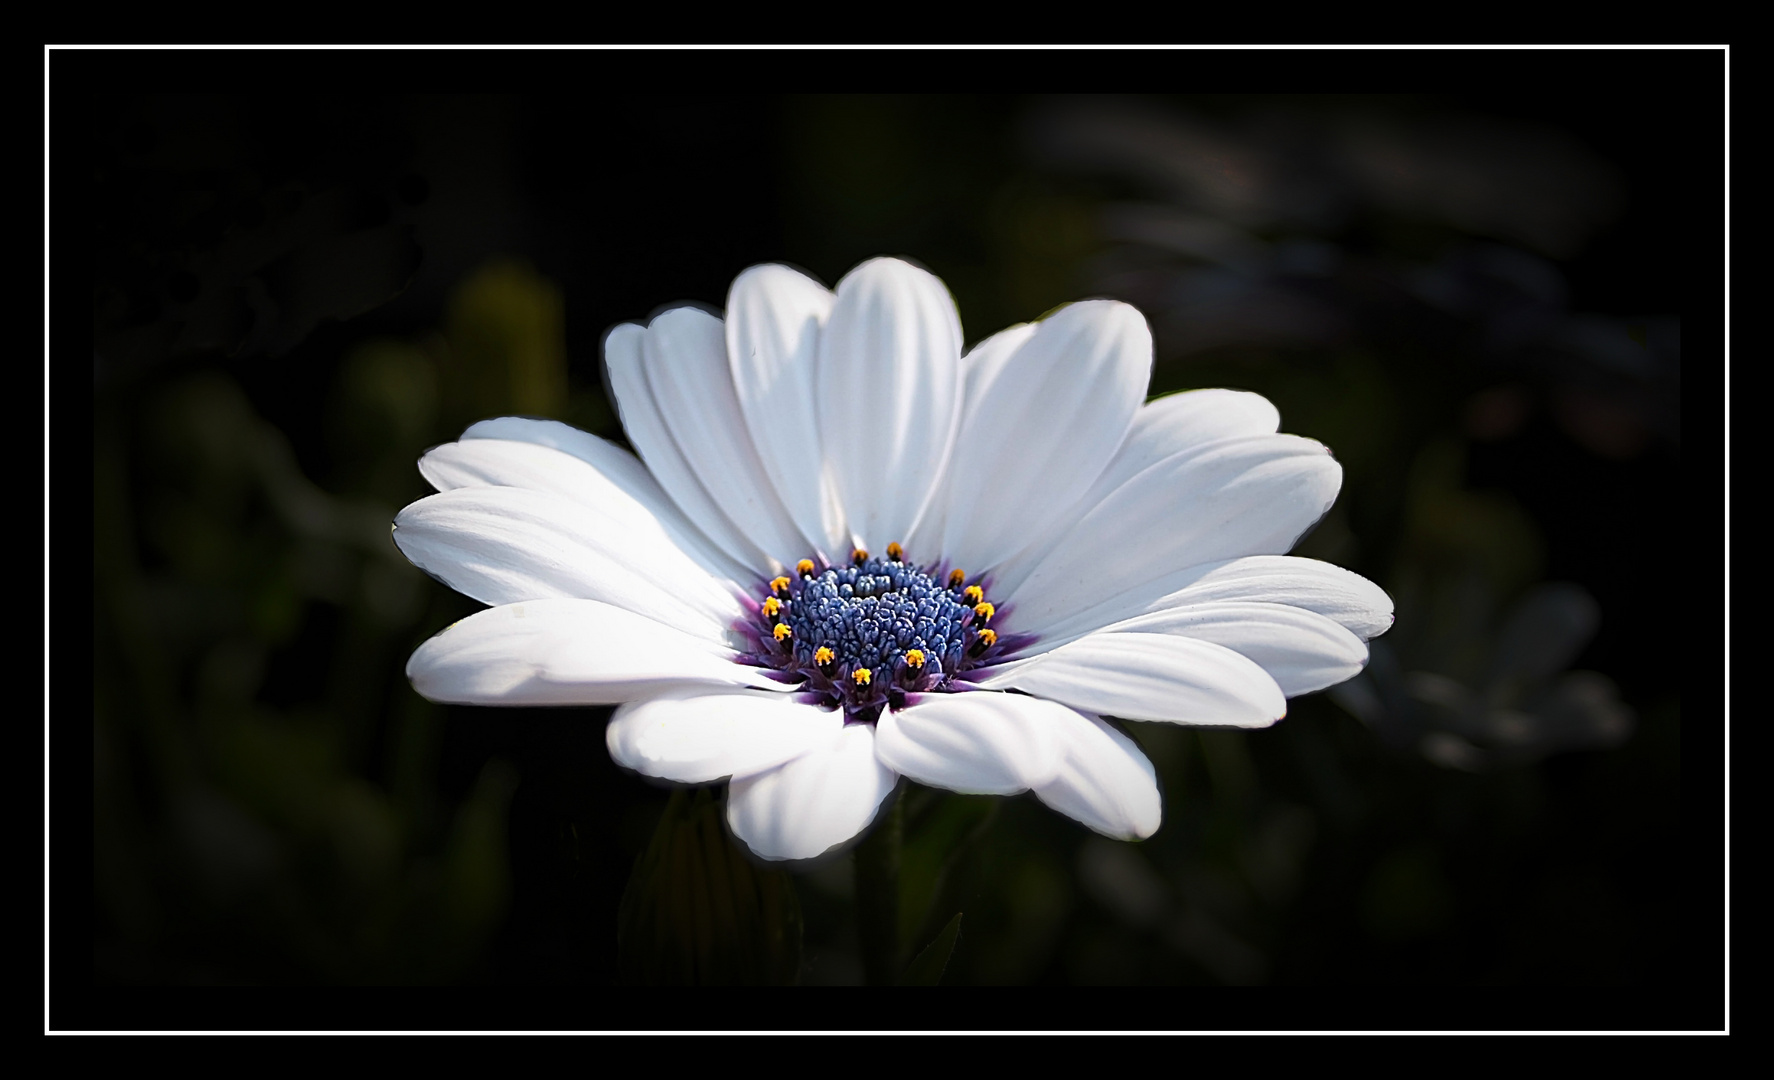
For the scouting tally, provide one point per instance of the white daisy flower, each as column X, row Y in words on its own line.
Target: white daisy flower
column 848, row 553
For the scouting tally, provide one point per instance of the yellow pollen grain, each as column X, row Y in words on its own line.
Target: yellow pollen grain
column 956, row 577
column 859, row 556
column 772, row 606
column 778, row 584
column 914, row 658
column 863, row 676
column 974, row 594
column 823, row 656
column 804, row 568
column 990, row 637
column 895, row 552
column 782, row 631
column 985, row 611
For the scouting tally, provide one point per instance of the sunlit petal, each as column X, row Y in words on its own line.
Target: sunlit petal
column 814, row 803
column 1104, row 781
column 566, row 652
column 695, row 737
column 889, row 394
column 983, row 743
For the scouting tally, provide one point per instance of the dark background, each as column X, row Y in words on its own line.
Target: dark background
column 295, row 295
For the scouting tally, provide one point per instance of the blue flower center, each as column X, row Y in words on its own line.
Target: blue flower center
column 864, row 635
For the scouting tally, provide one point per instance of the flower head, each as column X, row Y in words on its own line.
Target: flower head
column 848, row 553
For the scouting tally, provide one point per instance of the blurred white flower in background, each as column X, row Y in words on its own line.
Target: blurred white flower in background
column 1518, row 705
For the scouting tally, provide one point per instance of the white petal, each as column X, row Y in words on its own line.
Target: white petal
column 646, row 429
column 1161, row 429
column 980, row 743
column 774, row 319
column 696, row 738
column 1104, row 781
column 1176, row 422
column 816, row 802
column 985, row 363
column 501, row 545
column 980, row 368
column 546, row 455
column 889, row 393
column 1225, row 499
column 618, row 465
column 1301, row 650
column 566, row 652
column 1350, row 599
column 685, row 356
column 1039, row 432
column 1151, row 677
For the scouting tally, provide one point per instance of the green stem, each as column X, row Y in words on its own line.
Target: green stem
column 877, row 896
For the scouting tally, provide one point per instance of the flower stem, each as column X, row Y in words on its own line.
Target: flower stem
column 877, row 896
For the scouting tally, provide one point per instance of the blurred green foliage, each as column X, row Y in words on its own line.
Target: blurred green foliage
column 265, row 790
column 503, row 352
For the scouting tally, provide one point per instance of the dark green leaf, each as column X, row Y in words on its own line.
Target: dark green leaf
column 927, row 968
column 940, row 833
column 698, row 912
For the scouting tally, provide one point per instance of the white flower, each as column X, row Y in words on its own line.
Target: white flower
column 853, row 554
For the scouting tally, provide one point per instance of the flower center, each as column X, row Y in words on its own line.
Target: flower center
column 862, row 636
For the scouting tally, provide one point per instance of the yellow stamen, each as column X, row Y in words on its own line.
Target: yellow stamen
column 974, row 594
column 985, row 611
column 862, row 676
column 779, row 585
column 990, row 637
column 859, row 556
column 914, row 658
column 895, row 552
column 782, row 631
column 804, row 568
column 771, row 607
column 823, row 656
column 956, row 577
